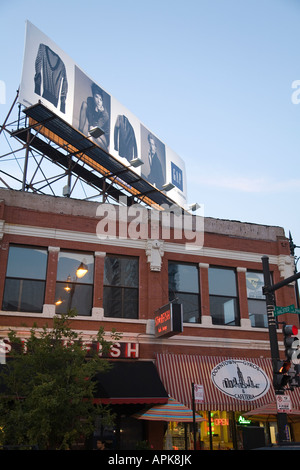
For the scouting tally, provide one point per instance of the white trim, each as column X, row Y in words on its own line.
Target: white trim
column 84, row 237
column 176, row 341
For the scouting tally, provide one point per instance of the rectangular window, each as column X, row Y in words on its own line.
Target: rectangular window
column 121, row 287
column 256, row 299
column 223, row 297
column 25, row 281
column 74, row 285
column 184, row 289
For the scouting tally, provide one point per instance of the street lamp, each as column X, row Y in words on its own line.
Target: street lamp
column 81, row 270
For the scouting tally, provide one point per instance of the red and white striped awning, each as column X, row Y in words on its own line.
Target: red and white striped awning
column 179, row 371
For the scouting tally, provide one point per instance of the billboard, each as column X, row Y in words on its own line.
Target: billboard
column 50, row 76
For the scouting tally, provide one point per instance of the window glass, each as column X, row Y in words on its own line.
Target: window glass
column 222, row 281
column 69, row 262
column 74, row 291
column 223, row 296
column 121, row 271
column 256, row 300
column 24, row 289
column 183, row 278
column 121, row 282
column 184, row 289
column 255, row 283
column 27, row 263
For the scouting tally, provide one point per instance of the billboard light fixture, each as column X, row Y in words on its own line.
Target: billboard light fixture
column 168, row 186
column 195, row 206
column 136, row 162
column 96, row 132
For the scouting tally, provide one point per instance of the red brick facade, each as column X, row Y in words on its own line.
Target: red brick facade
column 60, row 223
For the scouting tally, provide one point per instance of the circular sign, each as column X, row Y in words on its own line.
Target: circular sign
column 240, row 379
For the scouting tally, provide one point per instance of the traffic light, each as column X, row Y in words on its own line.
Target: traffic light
column 281, row 377
column 291, row 343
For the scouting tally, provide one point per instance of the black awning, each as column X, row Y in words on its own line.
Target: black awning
column 130, row 382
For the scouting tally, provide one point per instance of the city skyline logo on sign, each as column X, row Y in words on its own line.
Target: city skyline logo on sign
column 240, row 379
column 50, row 76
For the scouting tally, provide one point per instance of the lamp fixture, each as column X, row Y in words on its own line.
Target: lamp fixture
column 58, row 302
column 168, row 186
column 195, row 206
column 68, row 288
column 96, row 132
column 136, row 162
column 81, row 270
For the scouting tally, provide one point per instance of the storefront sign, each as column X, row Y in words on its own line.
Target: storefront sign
column 244, row 421
column 283, row 404
column 168, row 320
column 119, row 350
column 199, row 393
column 240, row 379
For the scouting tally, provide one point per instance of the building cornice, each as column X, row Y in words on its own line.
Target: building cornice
column 92, row 238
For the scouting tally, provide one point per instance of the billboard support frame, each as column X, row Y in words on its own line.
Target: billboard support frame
column 34, row 146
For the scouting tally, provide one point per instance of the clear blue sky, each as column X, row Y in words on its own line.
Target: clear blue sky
column 212, row 78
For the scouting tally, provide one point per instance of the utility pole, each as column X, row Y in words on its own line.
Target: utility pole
column 269, row 290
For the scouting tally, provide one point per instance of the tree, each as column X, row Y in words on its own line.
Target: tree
column 46, row 396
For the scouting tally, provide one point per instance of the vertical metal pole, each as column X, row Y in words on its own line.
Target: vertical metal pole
column 270, row 311
column 281, row 417
column 210, row 431
column 194, row 415
column 26, row 161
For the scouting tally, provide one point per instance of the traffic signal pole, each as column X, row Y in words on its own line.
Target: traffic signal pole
column 268, row 291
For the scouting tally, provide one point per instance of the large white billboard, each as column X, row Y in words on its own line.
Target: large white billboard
column 51, row 77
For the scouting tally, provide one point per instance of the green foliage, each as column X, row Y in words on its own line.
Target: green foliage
column 46, row 394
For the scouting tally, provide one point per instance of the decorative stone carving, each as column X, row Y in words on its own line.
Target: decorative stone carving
column 286, row 266
column 154, row 252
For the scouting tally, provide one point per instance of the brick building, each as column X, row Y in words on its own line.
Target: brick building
column 45, row 238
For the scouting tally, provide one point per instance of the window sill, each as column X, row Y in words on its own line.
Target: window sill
column 49, row 312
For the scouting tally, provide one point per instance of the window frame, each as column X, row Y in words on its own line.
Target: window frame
column 75, row 285
column 21, row 297
column 216, row 319
column 259, row 300
column 172, row 292
column 122, row 289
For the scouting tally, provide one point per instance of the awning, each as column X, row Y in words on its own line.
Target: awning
column 171, row 411
column 130, row 382
column 268, row 412
column 179, row 371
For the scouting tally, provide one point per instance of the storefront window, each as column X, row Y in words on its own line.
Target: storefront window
column 74, row 289
column 217, row 431
column 214, row 433
column 25, row 279
column 223, row 296
column 184, row 287
column 121, row 287
column 256, row 300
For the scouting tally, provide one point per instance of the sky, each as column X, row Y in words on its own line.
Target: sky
column 217, row 80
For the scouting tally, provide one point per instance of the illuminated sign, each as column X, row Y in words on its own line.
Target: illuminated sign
column 168, row 320
column 243, row 420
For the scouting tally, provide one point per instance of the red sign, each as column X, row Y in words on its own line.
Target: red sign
column 118, row 350
column 168, row 320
